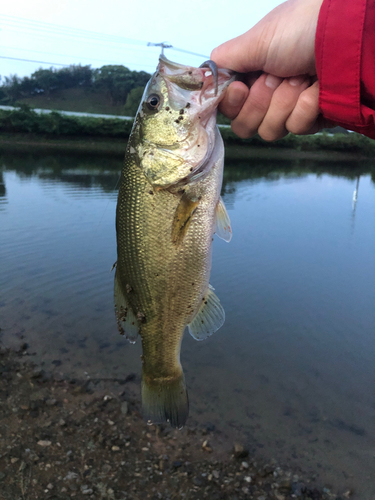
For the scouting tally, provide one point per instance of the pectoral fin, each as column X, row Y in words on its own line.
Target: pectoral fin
column 209, row 318
column 182, row 218
column 223, row 228
column 127, row 322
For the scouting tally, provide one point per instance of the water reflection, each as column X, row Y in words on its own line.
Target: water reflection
column 292, row 368
column 88, row 171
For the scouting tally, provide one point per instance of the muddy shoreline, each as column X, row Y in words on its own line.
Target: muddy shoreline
column 64, row 438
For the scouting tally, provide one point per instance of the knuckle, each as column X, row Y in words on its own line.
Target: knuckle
column 297, row 127
column 258, row 103
column 307, row 103
column 269, row 134
column 242, row 130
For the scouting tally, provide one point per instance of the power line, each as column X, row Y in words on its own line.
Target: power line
column 13, row 21
column 79, row 57
column 30, row 60
column 188, row 52
column 58, row 30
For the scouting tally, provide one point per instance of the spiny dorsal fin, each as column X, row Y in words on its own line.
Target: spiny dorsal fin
column 209, row 318
column 182, row 218
column 127, row 322
column 223, row 228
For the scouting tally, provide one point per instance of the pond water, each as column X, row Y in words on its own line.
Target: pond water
column 292, row 369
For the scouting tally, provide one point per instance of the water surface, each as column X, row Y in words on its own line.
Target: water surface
column 292, row 369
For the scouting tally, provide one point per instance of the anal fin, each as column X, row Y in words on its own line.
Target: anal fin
column 209, row 318
column 127, row 322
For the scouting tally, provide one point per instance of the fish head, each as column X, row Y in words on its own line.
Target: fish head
column 176, row 122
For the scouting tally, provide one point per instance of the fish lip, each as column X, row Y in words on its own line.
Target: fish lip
column 170, row 64
column 204, row 73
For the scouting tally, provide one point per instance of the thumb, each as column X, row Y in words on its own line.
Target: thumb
column 244, row 53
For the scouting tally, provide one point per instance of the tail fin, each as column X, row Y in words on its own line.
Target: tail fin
column 165, row 401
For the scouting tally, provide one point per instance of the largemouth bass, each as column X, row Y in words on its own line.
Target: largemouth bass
column 168, row 209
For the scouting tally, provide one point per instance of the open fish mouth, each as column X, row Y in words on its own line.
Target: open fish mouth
column 208, row 78
column 212, row 66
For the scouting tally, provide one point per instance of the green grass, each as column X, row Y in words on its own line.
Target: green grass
column 55, row 127
column 76, row 99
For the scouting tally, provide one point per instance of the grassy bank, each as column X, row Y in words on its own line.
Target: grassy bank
column 25, row 128
column 98, row 146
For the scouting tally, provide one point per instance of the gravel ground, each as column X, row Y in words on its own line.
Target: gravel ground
column 85, row 439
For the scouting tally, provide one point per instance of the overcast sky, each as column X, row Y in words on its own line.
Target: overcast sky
column 99, row 32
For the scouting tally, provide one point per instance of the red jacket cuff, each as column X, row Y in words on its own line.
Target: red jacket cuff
column 345, row 61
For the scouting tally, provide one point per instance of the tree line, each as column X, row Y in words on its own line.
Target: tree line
column 116, row 80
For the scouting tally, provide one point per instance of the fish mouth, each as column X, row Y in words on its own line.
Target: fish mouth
column 197, row 91
column 209, row 80
column 214, row 70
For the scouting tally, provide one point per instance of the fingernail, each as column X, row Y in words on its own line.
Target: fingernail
column 272, row 81
column 297, row 80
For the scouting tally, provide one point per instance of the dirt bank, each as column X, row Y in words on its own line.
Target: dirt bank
column 63, row 439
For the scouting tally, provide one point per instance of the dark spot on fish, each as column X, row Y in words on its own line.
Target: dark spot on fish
column 199, row 145
column 167, row 108
column 191, row 169
column 205, row 301
column 151, row 192
column 180, row 117
column 141, row 317
column 187, row 105
column 193, row 284
column 190, row 72
column 181, row 111
column 170, row 112
column 202, row 321
column 177, row 121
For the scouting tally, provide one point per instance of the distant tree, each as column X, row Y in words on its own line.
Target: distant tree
column 118, row 81
column 11, row 88
column 75, row 76
column 132, row 101
column 45, row 80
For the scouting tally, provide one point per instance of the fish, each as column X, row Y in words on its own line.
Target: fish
column 168, row 209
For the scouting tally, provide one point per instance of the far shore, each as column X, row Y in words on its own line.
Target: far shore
column 23, row 142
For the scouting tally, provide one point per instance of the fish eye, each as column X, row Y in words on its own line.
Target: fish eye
column 153, row 101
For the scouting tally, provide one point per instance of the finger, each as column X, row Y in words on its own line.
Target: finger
column 319, row 124
column 256, row 106
column 234, row 98
column 305, row 112
column 232, row 54
column 282, row 104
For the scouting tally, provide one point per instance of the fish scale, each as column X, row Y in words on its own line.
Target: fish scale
column 165, row 223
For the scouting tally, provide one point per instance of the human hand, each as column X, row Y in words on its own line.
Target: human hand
column 285, row 97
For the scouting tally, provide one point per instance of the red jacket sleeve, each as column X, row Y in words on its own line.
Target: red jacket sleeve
column 345, row 61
